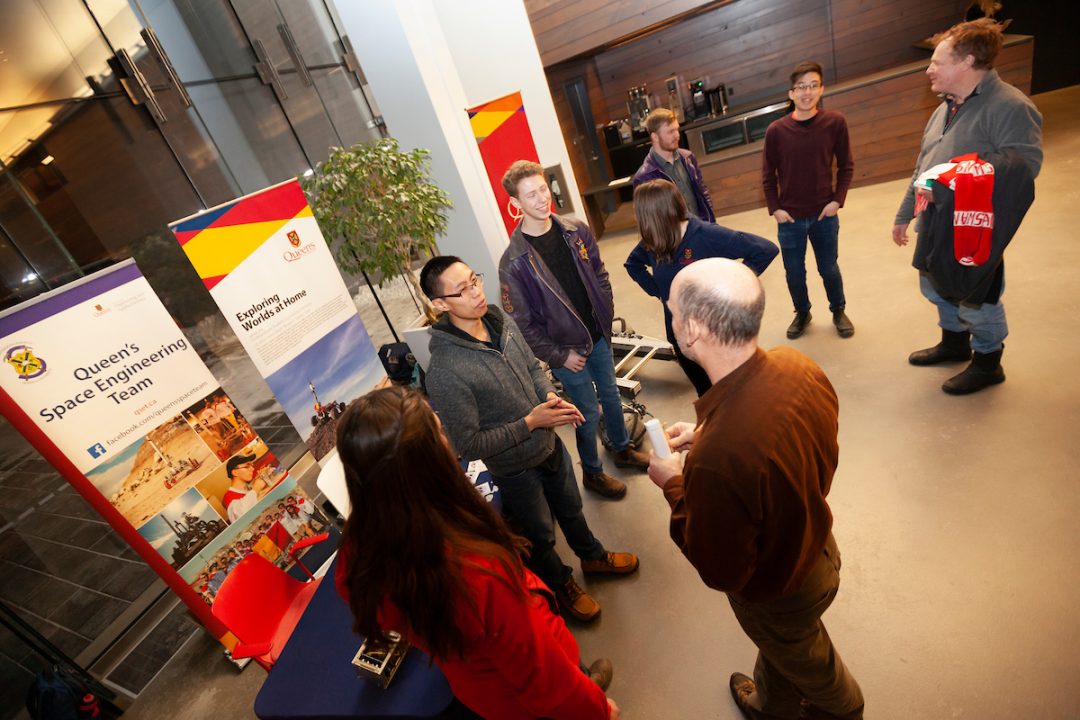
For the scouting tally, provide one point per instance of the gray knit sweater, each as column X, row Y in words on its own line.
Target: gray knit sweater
column 997, row 117
column 483, row 395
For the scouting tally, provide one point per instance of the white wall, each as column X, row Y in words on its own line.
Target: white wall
column 426, row 62
column 495, row 52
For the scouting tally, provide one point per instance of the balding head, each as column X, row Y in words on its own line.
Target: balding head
column 722, row 297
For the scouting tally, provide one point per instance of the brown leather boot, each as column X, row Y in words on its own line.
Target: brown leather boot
column 603, row 484
column 742, row 687
column 629, row 457
column 601, row 672
column 576, row 602
column 612, row 563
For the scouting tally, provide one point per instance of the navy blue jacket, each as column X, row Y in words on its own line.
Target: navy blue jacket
column 701, row 240
column 533, row 297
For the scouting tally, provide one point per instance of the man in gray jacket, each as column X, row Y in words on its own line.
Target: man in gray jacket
column 497, row 405
column 981, row 114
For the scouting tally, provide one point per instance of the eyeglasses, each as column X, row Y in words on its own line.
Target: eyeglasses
column 803, row 87
column 473, row 284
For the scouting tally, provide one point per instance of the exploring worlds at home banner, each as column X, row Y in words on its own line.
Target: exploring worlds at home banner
column 101, row 380
column 267, row 266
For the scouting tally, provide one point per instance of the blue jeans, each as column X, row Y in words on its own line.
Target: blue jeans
column 599, row 371
column 986, row 323
column 532, row 498
column 824, row 237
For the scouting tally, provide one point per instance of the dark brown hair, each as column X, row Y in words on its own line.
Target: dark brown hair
column 415, row 520
column 517, row 172
column 806, row 66
column 980, row 38
column 659, row 208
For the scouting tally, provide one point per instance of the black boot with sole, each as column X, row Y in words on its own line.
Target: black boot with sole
column 954, row 347
column 985, row 370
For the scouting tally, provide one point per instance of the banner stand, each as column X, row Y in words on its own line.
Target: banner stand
column 52, row 454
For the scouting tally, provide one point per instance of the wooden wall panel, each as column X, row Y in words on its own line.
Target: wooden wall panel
column 872, row 36
column 748, row 46
column 885, row 119
column 567, row 28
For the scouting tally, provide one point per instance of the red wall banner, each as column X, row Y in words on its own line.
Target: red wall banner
column 502, row 131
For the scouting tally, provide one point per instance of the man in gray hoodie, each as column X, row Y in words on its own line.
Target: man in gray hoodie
column 497, row 405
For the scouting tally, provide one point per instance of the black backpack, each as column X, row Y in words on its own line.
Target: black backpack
column 55, row 695
column 398, row 362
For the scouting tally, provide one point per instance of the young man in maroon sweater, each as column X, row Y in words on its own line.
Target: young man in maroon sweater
column 797, row 175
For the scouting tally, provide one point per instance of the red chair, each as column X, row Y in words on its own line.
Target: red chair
column 260, row 604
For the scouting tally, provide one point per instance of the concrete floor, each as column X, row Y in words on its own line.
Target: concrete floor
column 956, row 516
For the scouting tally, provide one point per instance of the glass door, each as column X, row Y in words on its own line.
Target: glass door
column 272, row 82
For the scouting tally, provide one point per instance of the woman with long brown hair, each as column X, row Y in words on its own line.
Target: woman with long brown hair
column 671, row 239
column 423, row 554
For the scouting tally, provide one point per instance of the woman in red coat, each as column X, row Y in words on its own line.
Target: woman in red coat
column 425, row 555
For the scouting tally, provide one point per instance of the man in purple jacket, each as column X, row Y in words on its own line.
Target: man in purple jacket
column 555, row 287
column 798, row 157
column 667, row 161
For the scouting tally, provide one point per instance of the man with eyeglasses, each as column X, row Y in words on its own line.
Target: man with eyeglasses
column 797, row 176
column 556, row 288
column 497, row 405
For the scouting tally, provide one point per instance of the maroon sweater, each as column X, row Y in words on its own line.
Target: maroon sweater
column 800, row 157
column 749, row 510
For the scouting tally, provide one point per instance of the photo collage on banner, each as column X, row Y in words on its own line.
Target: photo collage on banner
column 266, row 264
column 105, row 373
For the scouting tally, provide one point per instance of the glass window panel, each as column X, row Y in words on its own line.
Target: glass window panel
column 35, row 241
column 251, row 132
column 309, row 119
column 18, row 279
column 190, row 141
column 38, row 63
column 313, row 31
column 344, row 103
column 203, row 38
column 120, row 176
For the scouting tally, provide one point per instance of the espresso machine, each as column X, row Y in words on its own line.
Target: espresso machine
column 638, row 104
column 718, row 100
column 699, row 104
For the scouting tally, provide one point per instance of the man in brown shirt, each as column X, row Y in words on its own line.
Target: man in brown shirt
column 748, row 506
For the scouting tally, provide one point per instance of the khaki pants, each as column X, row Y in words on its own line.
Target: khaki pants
column 796, row 659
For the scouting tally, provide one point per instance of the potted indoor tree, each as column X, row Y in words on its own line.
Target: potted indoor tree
column 381, row 205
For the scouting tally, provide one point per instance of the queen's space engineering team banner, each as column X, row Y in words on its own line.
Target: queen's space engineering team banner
column 267, row 266
column 103, row 383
